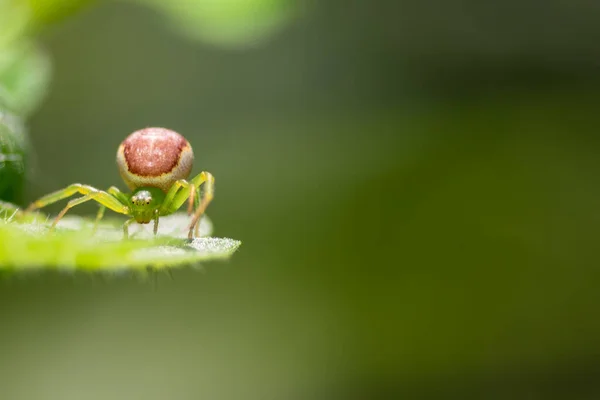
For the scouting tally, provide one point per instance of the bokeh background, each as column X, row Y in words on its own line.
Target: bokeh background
column 416, row 184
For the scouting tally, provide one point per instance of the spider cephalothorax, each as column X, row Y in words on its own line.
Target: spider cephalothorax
column 154, row 163
column 145, row 204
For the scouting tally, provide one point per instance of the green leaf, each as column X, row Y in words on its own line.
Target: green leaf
column 25, row 72
column 44, row 12
column 231, row 23
column 14, row 18
column 27, row 244
column 13, row 152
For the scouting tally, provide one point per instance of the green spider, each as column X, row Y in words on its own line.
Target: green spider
column 154, row 163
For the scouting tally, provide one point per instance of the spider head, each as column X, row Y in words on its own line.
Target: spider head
column 145, row 203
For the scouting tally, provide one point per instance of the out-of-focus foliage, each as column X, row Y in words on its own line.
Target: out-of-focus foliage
column 14, row 19
column 224, row 23
column 24, row 68
column 229, row 23
column 49, row 11
column 24, row 76
column 13, row 157
column 24, row 79
column 26, row 244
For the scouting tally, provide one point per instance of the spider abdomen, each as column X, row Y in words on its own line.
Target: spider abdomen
column 154, row 157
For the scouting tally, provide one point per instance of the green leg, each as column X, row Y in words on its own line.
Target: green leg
column 192, row 194
column 165, row 208
column 126, row 228
column 99, row 216
column 181, row 191
column 89, row 193
column 156, row 224
column 122, row 197
column 197, row 198
column 192, row 198
column 196, row 205
column 209, row 189
column 97, row 196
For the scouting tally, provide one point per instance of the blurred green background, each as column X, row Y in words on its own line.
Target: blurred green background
column 415, row 183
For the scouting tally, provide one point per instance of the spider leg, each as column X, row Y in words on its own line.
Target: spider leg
column 122, row 197
column 126, row 227
column 102, row 197
column 156, row 223
column 181, row 191
column 192, row 195
column 194, row 199
column 176, row 197
column 89, row 193
column 114, row 191
column 105, row 199
column 99, row 216
column 208, row 180
column 196, row 205
column 167, row 206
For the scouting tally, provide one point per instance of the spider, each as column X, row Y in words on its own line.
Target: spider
column 154, row 163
